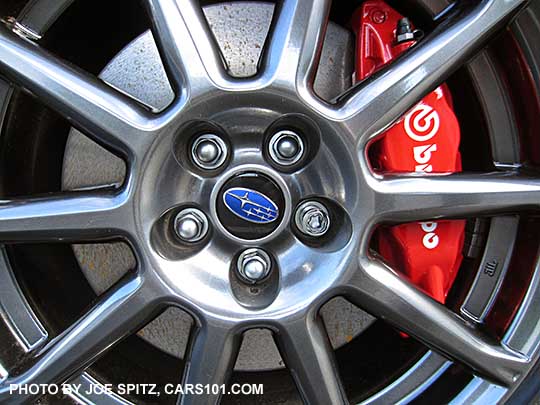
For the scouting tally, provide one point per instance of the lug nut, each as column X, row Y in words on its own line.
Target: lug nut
column 209, row 151
column 191, row 225
column 286, row 147
column 253, row 265
column 312, row 218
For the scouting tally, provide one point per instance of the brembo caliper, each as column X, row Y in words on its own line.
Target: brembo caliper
column 425, row 140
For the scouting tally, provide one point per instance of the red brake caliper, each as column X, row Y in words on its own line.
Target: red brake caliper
column 426, row 139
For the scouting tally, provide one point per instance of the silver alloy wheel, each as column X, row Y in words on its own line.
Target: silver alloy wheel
column 141, row 137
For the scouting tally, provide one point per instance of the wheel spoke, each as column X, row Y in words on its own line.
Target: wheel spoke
column 66, row 217
column 414, row 198
column 377, row 102
column 190, row 52
column 379, row 290
column 296, row 41
column 122, row 311
column 211, row 360
column 307, row 352
column 110, row 118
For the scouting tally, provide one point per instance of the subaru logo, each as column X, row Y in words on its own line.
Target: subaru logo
column 250, row 205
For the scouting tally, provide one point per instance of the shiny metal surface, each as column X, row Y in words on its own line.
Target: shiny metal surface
column 209, row 151
column 21, row 29
column 312, row 218
column 254, row 265
column 191, row 225
column 286, row 147
column 284, row 84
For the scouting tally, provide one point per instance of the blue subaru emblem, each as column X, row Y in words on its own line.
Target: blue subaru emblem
column 250, row 205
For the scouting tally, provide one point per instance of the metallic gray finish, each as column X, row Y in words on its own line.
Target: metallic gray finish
column 15, row 310
column 412, row 198
column 191, row 225
column 73, row 216
column 38, row 15
column 413, row 382
column 191, row 56
column 381, row 291
column 209, row 151
column 88, row 396
column 240, row 29
column 119, row 313
column 312, row 218
column 253, row 265
column 211, row 359
column 496, row 106
column 111, row 118
column 492, row 269
column 305, row 346
column 21, row 30
column 286, row 147
column 284, row 83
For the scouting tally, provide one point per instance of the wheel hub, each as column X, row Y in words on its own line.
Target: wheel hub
column 250, row 204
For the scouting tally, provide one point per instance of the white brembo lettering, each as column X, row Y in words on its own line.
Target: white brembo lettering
column 425, row 123
column 422, row 124
column 430, row 239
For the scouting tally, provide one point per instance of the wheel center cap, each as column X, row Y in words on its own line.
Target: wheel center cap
column 250, row 205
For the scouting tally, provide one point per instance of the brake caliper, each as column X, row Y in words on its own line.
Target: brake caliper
column 425, row 140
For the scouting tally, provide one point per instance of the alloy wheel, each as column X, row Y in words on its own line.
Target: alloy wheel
column 200, row 275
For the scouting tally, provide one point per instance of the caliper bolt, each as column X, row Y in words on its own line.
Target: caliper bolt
column 209, row 151
column 191, row 225
column 312, row 218
column 253, row 265
column 404, row 31
column 286, row 147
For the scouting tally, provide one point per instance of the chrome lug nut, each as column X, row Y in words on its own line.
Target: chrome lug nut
column 209, row 151
column 286, row 148
column 312, row 218
column 253, row 265
column 191, row 225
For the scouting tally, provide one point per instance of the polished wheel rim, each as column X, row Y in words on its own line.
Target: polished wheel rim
column 145, row 140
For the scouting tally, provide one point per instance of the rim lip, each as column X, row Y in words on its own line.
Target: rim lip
column 215, row 195
column 515, row 333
